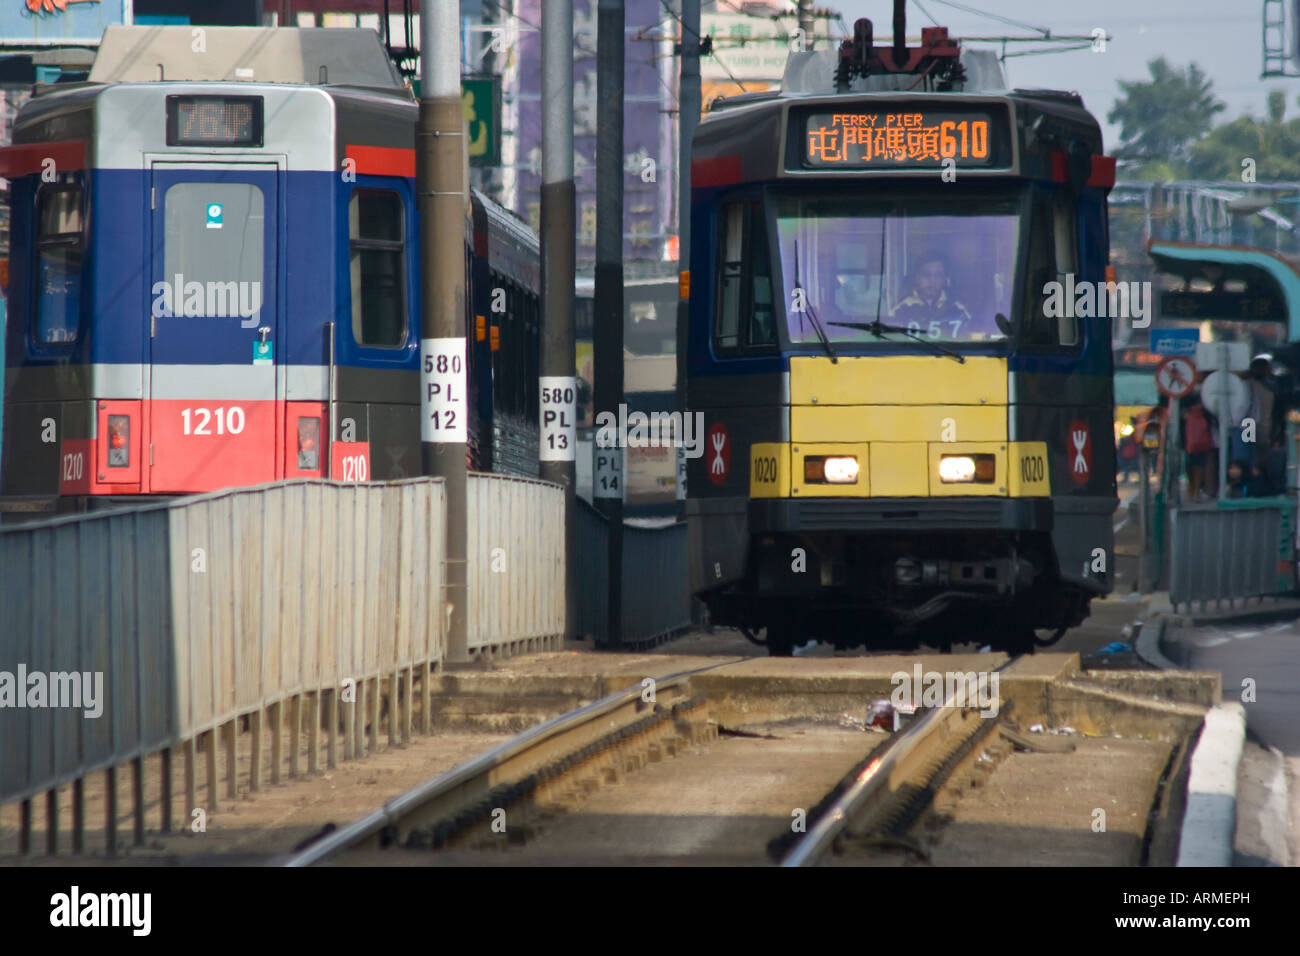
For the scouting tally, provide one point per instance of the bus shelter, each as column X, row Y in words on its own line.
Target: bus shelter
column 1241, row 542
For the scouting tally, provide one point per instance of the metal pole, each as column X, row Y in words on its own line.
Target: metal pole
column 559, row 383
column 608, row 334
column 688, row 117
column 1144, row 506
column 1173, row 492
column 1225, row 393
column 440, row 184
column 806, row 22
column 1173, row 455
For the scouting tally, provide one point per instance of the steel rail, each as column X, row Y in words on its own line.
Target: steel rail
column 545, row 736
column 901, row 754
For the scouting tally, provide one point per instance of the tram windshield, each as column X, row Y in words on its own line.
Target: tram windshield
column 942, row 272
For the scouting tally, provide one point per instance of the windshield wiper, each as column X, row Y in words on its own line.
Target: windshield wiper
column 817, row 326
column 878, row 329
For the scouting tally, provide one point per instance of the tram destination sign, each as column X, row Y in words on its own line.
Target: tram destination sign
column 919, row 138
column 1222, row 305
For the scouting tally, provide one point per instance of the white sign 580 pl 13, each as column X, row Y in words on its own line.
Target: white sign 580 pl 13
column 559, row 414
column 444, row 374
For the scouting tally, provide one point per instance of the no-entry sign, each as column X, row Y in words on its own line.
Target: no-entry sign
column 1175, row 376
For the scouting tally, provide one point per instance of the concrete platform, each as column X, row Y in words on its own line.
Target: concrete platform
column 1256, row 651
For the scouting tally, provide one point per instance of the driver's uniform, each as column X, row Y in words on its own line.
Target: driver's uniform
column 916, row 309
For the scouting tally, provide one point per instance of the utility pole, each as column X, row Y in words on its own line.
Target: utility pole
column 608, row 473
column 559, row 385
column 806, row 24
column 440, row 184
column 688, row 116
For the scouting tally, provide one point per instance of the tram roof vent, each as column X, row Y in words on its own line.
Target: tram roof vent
column 1059, row 96
column 350, row 57
column 813, row 74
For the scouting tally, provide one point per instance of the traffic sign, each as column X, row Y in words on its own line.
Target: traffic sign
column 1176, row 376
column 1174, row 341
column 1212, row 356
column 1226, row 396
column 480, row 98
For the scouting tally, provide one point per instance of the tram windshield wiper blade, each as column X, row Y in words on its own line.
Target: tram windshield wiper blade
column 878, row 329
column 817, row 326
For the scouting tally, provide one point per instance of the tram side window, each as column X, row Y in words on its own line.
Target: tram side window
column 376, row 232
column 1053, row 255
column 59, row 251
column 1065, row 244
column 762, row 315
column 746, row 315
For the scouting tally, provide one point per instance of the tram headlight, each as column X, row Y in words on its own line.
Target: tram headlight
column 964, row 469
column 842, row 471
column 830, row 470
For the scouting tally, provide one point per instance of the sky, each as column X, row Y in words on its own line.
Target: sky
column 1223, row 37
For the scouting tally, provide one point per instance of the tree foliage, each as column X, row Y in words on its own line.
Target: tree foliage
column 1160, row 118
column 1273, row 144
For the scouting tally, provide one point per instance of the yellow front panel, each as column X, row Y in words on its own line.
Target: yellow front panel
column 1028, row 471
column 898, row 380
column 967, row 489
column 800, row 489
column 899, row 470
column 891, row 423
column 769, row 470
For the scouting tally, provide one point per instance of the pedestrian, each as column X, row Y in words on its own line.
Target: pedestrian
column 1154, row 419
column 1264, row 408
column 1128, row 452
column 1200, row 446
column 1239, row 479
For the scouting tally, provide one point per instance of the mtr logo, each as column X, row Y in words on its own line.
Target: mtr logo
column 1078, row 450
column 717, row 451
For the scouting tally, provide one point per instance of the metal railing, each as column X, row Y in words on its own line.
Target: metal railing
column 300, row 608
column 656, row 586
column 291, row 607
column 515, row 563
column 1232, row 550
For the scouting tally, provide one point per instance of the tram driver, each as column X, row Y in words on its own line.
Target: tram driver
column 930, row 302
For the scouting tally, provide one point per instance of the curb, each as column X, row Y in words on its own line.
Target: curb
column 1208, row 833
column 1266, row 840
column 1266, row 614
column 1210, row 820
column 1149, row 645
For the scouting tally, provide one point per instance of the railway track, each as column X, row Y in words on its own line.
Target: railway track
column 730, row 761
column 740, row 763
column 509, row 788
column 883, row 797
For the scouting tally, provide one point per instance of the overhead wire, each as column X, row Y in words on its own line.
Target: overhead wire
column 699, row 39
column 926, row 12
column 995, row 16
column 511, row 14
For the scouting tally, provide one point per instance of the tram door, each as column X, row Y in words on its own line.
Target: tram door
column 213, row 324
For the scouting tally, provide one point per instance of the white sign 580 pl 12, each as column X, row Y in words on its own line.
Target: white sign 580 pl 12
column 559, row 414
column 445, row 376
